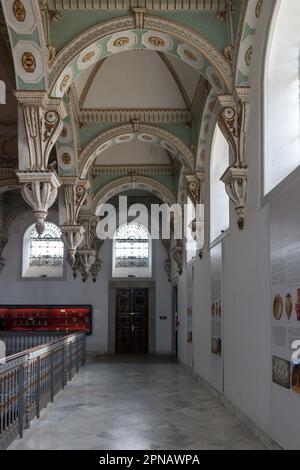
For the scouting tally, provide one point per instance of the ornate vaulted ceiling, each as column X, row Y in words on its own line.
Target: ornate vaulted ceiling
column 136, row 83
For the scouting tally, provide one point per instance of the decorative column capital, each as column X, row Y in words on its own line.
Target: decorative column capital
column 235, row 180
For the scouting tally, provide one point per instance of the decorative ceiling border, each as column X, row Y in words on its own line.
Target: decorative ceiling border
column 128, row 115
column 190, row 5
column 131, row 182
column 99, row 170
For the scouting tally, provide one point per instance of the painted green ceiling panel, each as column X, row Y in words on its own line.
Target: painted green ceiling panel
column 72, row 23
column 204, row 23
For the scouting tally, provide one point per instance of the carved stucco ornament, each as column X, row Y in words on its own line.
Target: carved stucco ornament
column 232, row 122
column 86, row 252
column 177, row 252
column 19, row 11
column 74, row 192
column 29, row 62
column 43, row 120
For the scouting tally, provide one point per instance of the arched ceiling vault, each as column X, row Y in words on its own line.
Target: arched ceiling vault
column 122, row 33
column 128, row 183
column 128, row 133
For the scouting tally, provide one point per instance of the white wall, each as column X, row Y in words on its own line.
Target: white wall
column 15, row 290
column 247, row 290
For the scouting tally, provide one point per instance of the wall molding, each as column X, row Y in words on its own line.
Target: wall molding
column 127, row 115
column 190, row 5
column 99, row 170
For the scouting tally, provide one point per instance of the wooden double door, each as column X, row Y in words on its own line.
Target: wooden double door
column 132, row 321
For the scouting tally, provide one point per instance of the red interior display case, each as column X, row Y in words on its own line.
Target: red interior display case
column 46, row 318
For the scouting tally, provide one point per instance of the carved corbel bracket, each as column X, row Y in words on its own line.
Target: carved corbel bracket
column 167, row 264
column 232, row 121
column 235, row 180
column 87, row 258
column 39, row 192
column 96, row 268
column 75, row 192
column 89, row 223
column 3, row 243
column 195, row 187
column 43, row 118
column 178, row 255
column 72, row 236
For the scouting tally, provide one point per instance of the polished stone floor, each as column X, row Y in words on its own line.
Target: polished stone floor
column 136, row 403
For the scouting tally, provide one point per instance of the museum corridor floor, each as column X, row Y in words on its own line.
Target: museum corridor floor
column 148, row 403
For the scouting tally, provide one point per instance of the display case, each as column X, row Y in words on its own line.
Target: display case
column 46, row 318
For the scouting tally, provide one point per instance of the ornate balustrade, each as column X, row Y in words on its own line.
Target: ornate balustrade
column 30, row 379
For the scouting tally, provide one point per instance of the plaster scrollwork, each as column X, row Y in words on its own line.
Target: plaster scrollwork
column 43, row 118
column 232, row 122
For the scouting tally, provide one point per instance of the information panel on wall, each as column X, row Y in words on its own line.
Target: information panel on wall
column 217, row 315
column 285, row 315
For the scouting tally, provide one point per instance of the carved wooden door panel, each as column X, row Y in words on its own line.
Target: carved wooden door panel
column 132, row 321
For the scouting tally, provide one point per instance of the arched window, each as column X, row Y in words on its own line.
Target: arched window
column 132, row 251
column 219, row 201
column 43, row 255
column 282, row 123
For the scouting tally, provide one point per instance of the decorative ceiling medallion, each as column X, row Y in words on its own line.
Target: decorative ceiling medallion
column 66, row 158
column 147, row 138
column 89, row 56
column 121, row 41
column 190, row 55
column 169, row 147
column 64, row 82
column 29, row 62
column 124, row 138
column 19, row 11
column 258, row 8
column 158, row 41
column 248, row 55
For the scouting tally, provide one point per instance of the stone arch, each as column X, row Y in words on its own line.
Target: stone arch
column 132, row 182
column 127, row 133
column 122, row 34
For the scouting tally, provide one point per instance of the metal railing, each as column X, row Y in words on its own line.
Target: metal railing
column 29, row 381
column 16, row 342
